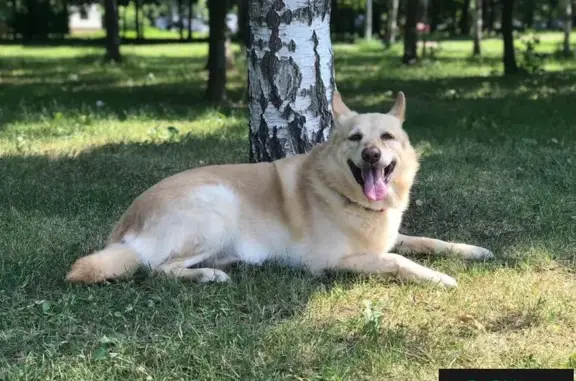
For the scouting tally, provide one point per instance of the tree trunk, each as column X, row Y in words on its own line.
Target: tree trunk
column 567, row 28
column 410, row 34
column 190, row 17
column 243, row 22
column 477, row 27
column 368, row 22
column 137, row 17
column 551, row 10
column 392, row 23
column 112, row 31
column 434, row 11
column 290, row 77
column 424, row 4
column 490, row 17
column 464, row 23
column 529, row 8
column 509, row 57
column 124, row 20
column 181, row 19
column 216, row 90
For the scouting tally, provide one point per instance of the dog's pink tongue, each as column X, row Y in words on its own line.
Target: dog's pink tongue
column 374, row 187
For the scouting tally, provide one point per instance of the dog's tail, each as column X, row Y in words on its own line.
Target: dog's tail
column 114, row 261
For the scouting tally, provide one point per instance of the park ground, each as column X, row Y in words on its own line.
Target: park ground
column 80, row 139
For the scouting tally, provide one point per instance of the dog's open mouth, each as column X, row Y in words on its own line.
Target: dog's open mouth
column 373, row 179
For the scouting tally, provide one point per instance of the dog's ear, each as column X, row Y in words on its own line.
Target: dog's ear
column 339, row 109
column 399, row 108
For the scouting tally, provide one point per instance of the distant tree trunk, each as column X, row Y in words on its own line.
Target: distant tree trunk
column 216, row 91
column 190, row 17
column 290, row 77
column 392, row 23
column 124, row 20
column 424, row 4
column 368, row 22
column 112, row 31
column 434, row 12
column 529, row 8
column 509, row 57
column 490, row 11
column 138, row 11
column 464, row 23
column 410, row 33
column 181, row 19
column 243, row 22
column 477, row 28
column 567, row 28
column 230, row 58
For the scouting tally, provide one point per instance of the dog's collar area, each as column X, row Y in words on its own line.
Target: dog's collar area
column 350, row 202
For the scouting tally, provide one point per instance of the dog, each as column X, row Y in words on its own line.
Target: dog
column 339, row 206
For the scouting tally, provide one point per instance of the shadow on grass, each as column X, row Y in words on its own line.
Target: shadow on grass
column 57, row 209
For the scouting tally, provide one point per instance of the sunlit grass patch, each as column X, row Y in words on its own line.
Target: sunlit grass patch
column 80, row 139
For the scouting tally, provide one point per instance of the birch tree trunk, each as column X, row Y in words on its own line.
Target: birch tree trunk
column 368, row 25
column 477, row 51
column 290, row 76
column 567, row 27
column 392, row 22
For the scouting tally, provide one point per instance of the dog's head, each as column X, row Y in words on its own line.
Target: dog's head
column 375, row 150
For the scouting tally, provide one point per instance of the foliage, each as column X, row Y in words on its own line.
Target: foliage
column 532, row 61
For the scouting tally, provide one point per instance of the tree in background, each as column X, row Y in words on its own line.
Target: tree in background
column 190, row 18
column 216, row 90
column 112, row 31
column 290, row 77
column 242, row 33
column 477, row 27
column 410, row 33
column 509, row 56
column 464, row 24
column 567, row 28
column 392, row 22
column 368, row 21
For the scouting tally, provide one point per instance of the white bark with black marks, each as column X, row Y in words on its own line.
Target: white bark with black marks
column 392, row 22
column 290, row 76
column 369, row 16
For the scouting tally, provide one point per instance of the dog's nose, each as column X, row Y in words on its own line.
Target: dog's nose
column 371, row 155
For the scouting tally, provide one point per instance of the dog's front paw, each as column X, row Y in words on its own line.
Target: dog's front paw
column 213, row 275
column 447, row 281
column 472, row 252
column 478, row 252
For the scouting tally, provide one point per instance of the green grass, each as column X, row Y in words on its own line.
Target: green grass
column 498, row 170
column 150, row 33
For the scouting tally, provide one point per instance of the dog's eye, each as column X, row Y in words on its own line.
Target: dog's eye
column 386, row 136
column 355, row 137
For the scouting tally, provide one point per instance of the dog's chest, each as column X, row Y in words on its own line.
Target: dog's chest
column 354, row 234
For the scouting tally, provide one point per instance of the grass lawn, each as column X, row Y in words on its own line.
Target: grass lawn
column 79, row 140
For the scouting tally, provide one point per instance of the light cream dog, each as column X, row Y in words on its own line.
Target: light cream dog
column 337, row 207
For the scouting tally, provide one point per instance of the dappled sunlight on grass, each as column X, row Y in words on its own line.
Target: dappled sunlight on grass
column 79, row 140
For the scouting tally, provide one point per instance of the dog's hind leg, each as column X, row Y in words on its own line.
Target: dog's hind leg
column 397, row 266
column 412, row 245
